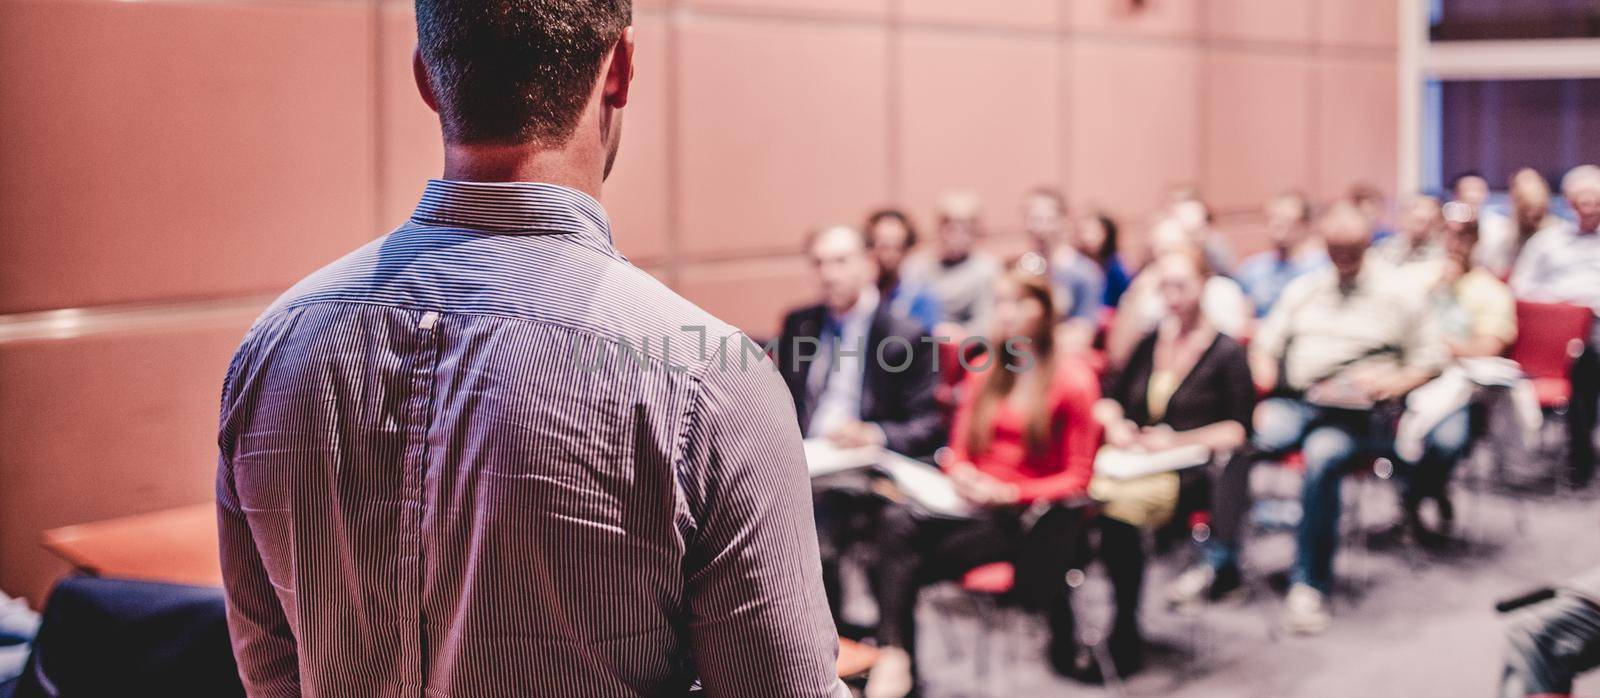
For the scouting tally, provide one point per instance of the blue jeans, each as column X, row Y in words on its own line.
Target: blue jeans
column 1331, row 440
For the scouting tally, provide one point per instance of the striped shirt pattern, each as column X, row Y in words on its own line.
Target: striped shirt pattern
column 444, row 473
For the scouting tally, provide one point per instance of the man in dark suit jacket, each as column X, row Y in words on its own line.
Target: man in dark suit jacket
column 859, row 373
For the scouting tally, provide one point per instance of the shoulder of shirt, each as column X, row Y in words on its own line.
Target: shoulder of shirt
column 1074, row 377
column 1312, row 281
column 621, row 301
column 1554, row 234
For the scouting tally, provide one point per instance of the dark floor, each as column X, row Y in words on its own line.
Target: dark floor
column 1407, row 622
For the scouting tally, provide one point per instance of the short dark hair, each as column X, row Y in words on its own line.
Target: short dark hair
column 882, row 214
column 516, row 71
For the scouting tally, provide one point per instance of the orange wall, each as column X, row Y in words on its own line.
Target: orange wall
column 169, row 164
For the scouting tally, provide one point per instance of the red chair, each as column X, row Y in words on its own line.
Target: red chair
column 993, row 579
column 1550, row 337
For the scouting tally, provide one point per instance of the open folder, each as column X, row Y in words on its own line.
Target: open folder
column 1123, row 464
column 923, row 484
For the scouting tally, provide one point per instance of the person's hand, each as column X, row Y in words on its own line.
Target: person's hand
column 856, row 435
column 1381, row 385
column 981, row 489
column 1157, row 438
column 1122, row 434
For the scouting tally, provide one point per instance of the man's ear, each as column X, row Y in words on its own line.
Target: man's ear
column 620, row 73
column 420, row 71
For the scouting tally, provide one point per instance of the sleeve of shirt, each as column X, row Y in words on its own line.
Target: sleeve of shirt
column 961, row 421
column 1241, row 387
column 1088, row 291
column 1080, row 440
column 1525, row 273
column 1424, row 347
column 757, row 618
column 1272, row 336
column 263, row 643
column 916, row 388
column 1496, row 312
column 925, row 309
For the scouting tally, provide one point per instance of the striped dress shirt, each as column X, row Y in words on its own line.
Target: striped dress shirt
column 484, row 455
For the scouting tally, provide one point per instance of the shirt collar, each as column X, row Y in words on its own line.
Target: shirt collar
column 515, row 208
column 859, row 314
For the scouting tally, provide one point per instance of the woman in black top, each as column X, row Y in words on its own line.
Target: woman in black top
column 1185, row 384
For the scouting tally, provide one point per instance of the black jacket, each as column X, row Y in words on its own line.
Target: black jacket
column 901, row 402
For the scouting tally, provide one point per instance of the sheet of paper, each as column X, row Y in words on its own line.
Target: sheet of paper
column 926, row 485
column 1122, row 464
column 823, row 458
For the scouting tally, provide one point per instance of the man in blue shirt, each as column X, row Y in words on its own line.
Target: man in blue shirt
column 1295, row 251
column 1079, row 283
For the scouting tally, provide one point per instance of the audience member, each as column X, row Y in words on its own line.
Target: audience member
column 1294, row 252
column 1079, row 281
column 859, row 374
column 959, row 276
column 1502, row 238
column 890, row 238
column 1550, row 642
column 1369, row 199
column 1475, row 315
column 1194, row 214
column 1097, row 238
column 1185, row 384
column 1561, row 264
column 1470, row 188
column 1224, row 303
column 1023, row 443
column 1414, row 250
column 1341, row 346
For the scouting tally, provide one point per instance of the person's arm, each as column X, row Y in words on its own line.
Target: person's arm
column 961, row 422
column 1110, row 411
column 1080, row 440
column 1130, row 322
column 1494, row 324
column 1272, row 335
column 1525, row 272
column 916, row 388
column 1424, row 355
column 757, row 618
column 263, row 642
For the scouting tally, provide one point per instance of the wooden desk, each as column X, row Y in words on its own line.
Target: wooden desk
column 176, row 545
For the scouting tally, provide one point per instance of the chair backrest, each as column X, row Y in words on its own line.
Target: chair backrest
column 104, row 637
column 1546, row 333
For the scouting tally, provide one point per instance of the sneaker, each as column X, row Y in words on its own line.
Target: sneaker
column 1305, row 611
column 891, row 675
column 1204, row 583
column 1190, row 587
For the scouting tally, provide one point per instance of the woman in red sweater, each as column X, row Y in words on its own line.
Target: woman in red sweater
column 1023, row 445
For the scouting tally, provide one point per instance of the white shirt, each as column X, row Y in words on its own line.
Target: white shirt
column 840, row 367
column 1560, row 265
